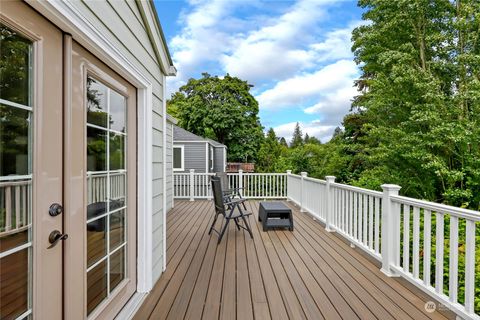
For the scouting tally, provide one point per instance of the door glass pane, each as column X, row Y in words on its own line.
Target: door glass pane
column 97, row 113
column 117, row 112
column 117, row 268
column 106, row 186
column 15, row 174
column 96, row 285
column 15, row 75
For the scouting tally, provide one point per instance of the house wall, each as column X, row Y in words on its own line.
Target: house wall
column 218, row 164
column 169, row 177
column 121, row 23
column 195, row 156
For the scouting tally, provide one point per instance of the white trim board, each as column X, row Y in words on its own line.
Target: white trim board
column 182, row 147
column 70, row 20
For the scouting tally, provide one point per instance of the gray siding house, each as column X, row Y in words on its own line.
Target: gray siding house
column 194, row 152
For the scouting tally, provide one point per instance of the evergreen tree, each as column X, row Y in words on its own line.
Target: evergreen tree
column 297, row 138
column 269, row 152
column 283, row 142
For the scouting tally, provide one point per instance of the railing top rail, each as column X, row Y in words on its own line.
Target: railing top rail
column 315, row 180
column 104, row 173
column 14, row 178
column 357, row 189
column 13, row 183
column 295, row 175
column 203, row 173
column 258, row 174
column 437, row 207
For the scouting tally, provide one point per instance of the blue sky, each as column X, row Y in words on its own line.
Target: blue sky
column 295, row 53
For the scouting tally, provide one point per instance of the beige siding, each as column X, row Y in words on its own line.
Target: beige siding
column 121, row 23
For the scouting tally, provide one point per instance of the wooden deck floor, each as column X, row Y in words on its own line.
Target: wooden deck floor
column 305, row 274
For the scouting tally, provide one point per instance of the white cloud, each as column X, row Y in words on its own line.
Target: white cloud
column 274, row 51
column 309, row 66
column 314, row 129
column 298, row 90
column 334, row 106
column 254, row 48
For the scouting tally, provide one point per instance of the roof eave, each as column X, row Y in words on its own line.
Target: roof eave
column 155, row 32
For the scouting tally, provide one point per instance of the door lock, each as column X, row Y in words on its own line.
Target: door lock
column 55, row 237
column 55, row 209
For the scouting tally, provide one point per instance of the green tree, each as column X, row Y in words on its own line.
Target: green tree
column 297, row 138
column 420, row 97
column 283, row 142
column 222, row 109
column 269, row 153
column 311, row 140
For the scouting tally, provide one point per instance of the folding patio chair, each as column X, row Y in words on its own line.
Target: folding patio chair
column 231, row 193
column 230, row 209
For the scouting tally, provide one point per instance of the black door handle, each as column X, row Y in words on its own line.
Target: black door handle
column 55, row 237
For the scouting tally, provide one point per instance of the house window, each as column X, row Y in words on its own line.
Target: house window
column 178, row 158
column 211, row 158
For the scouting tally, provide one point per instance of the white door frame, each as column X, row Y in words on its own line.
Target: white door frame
column 70, row 20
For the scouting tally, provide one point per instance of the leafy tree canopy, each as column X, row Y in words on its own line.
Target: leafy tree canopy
column 222, row 109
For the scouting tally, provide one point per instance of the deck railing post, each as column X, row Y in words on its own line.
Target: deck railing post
column 192, row 184
column 388, row 233
column 302, row 190
column 289, row 172
column 329, row 204
column 240, row 182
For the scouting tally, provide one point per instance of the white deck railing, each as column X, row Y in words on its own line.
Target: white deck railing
column 420, row 241
column 15, row 199
column 98, row 184
column 417, row 240
column 193, row 185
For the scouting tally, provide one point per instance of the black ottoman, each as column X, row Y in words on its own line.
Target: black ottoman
column 275, row 214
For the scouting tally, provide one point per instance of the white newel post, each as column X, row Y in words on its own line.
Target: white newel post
column 329, row 197
column 192, row 184
column 289, row 172
column 240, row 182
column 388, row 228
column 302, row 190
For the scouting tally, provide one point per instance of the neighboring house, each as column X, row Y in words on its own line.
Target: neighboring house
column 194, row 152
column 86, row 158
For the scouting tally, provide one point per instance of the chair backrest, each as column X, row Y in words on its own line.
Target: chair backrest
column 224, row 180
column 217, row 195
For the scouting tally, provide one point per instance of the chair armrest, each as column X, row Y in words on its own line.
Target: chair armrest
column 235, row 201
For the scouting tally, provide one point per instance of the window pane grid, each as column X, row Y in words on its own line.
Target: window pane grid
column 16, row 122
column 109, row 186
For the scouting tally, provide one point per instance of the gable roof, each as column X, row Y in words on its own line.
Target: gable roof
column 180, row 134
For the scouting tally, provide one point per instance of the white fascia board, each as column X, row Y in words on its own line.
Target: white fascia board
column 156, row 37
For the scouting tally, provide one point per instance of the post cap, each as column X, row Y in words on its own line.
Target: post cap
column 240, row 171
column 289, row 171
column 304, row 174
column 390, row 187
column 330, row 178
column 192, row 170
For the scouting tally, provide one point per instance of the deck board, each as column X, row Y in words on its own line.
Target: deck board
column 305, row 274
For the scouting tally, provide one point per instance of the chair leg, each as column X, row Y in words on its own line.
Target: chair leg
column 213, row 224
column 247, row 225
column 237, row 224
column 224, row 228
